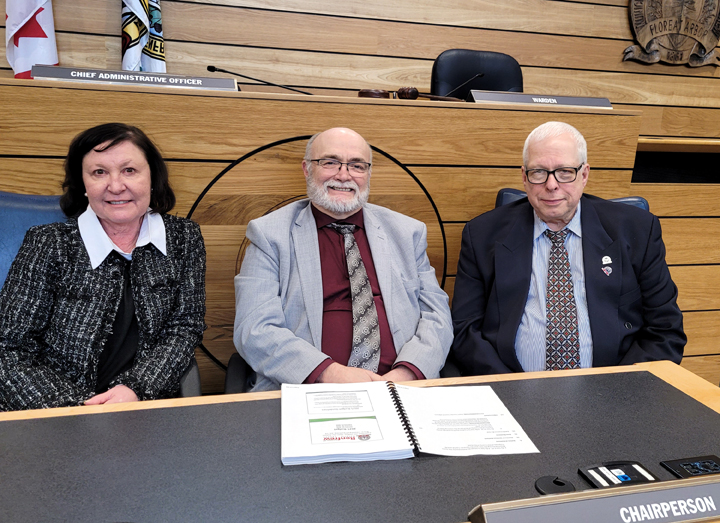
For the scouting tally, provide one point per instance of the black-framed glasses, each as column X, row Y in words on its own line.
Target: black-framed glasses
column 561, row 174
column 331, row 164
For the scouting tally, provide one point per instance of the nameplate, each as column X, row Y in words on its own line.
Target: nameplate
column 695, row 499
column 103, row 76
column 537, row 99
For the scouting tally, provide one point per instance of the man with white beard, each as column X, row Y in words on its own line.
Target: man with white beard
column 334, row 289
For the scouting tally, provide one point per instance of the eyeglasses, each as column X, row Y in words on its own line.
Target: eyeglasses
column 561, row 174
column 330, row 164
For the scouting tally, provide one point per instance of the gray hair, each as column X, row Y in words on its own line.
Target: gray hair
column 552, row 129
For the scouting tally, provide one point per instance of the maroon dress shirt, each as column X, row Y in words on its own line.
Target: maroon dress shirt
column 337, row 299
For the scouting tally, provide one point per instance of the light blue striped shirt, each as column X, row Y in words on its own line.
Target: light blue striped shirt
column 530, row 337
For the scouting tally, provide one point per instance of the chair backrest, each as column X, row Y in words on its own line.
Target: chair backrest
column 190, row 385
column 19, row 212
column 508, row 195
column 500, row 72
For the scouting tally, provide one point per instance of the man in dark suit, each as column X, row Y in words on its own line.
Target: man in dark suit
column 511, row 310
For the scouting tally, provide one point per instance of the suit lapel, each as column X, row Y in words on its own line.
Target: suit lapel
column 513, row 266
column 307, row 255
column 377, row 239
column 603, row 280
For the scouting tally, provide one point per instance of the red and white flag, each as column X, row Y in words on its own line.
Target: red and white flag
column 29, row 35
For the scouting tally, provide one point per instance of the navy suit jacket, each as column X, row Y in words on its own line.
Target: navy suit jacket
column 633, row 311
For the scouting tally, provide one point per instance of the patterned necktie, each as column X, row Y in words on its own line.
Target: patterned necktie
column 366, row 332
column 561, row 330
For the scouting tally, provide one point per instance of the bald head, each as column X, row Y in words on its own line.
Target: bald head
column 338, row 135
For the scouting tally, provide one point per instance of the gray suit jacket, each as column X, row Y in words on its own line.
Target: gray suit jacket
column 279, row 296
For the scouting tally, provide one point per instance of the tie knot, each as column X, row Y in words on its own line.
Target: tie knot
column 557, row 238
column 343, row 228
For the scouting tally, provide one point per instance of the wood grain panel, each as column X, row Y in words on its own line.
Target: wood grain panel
column 31, row 175
column 698, row 287
column 707, row 367
column 703, row 333
column 516, row 15
column 699, row 122
column 624, row 88
column 188, row 22
column 347, row 71
column 103, row 16
column 692, row 240
column 461, row 193
column 680, row 199
column 220, row 131
column 239, row 26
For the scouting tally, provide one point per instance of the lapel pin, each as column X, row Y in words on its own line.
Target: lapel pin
column 606, row 260
column 607, row 270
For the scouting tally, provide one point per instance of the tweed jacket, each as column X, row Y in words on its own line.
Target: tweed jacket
column 56, row 313
column 279, row 294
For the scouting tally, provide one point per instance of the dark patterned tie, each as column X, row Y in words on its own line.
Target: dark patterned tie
column 366, row 332
column 561, row 330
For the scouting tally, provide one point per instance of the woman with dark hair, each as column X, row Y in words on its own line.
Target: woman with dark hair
column 109, row 306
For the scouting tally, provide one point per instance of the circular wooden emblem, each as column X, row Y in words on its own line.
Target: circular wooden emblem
column 675, row 31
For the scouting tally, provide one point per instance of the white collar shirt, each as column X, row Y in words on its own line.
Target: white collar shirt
column 99, row 245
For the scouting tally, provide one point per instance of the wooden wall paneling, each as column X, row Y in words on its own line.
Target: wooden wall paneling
column 220, row 130
column 516, row 15
column 465, row 192
column 698, row 286
column 601, row 20
column 680, row 199
column 703, row 332
column 625, row 88
column 354, row 72
column 699, row 122
column 31, row 175
column 692, row 240
column 233, row 26
column 290, row 30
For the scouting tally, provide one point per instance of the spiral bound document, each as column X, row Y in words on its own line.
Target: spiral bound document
column 382, row 420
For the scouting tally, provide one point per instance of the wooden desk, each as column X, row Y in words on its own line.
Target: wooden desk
column 235, row 156
column 218, row 458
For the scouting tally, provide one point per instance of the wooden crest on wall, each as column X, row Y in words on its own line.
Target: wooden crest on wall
column 675, row 31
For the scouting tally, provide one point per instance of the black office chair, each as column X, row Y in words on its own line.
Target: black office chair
column 190, row 385
column 454, row 67
column 239, row 376
column 508, row 195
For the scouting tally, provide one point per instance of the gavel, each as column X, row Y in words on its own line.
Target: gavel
column 404, row 93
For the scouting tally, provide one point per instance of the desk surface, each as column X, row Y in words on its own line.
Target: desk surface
column 218, row 459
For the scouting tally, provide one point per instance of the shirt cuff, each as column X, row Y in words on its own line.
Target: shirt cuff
column 314, row 375
column 418, row 375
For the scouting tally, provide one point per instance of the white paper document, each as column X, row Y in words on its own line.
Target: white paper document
column 341, row 422
column 381, row 420
column 463, row 421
